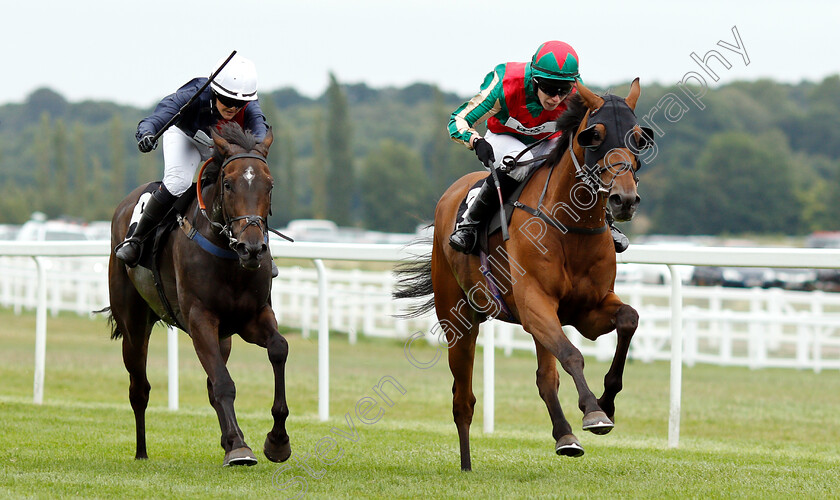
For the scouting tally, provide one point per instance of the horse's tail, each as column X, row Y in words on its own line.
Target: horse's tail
column 414, row 281
column 115, row 332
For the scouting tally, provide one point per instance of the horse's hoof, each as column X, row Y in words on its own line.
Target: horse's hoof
column 240, row 456
column 597, row 422
column 277, row 453
column 569, row 446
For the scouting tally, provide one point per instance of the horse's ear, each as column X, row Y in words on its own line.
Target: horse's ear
column 633, row 96
column 263, row 146
column 591, row 100
column 222, row 146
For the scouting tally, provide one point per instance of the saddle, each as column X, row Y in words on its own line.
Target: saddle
column 511, row 203
column 493, row 224
column 157, row 238
column 150, row 247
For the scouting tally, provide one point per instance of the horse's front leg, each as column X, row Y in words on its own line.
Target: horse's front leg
column 204, row 327
column 225, row 345
column 611, row 314
column 548, row 381
column 262, row 331
column 538, row 314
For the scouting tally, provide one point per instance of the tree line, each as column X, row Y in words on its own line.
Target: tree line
column 760, row 157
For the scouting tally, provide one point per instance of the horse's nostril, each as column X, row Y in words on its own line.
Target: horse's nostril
column 615, row 200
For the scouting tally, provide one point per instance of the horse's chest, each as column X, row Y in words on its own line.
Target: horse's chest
column 584, row 291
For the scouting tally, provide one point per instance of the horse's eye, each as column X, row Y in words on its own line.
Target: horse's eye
column 227, row 186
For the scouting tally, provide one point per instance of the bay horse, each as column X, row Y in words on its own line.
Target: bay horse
column 558, row 267
column 211, row 296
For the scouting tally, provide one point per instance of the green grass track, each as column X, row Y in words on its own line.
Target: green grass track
column 745, row 433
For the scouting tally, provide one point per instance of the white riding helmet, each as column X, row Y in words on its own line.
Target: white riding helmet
column 237, row 80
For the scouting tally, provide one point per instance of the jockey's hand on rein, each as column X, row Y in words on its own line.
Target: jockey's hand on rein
column 146, row 144
column 484, row 151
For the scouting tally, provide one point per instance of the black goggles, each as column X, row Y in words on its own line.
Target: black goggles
column 230, row 102
column 553, row 88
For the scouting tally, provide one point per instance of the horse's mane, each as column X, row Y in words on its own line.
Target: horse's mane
column 233, row 134
column 568, row 122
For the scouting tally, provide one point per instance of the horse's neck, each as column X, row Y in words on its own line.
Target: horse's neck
column 570, row 201
column 209, row 195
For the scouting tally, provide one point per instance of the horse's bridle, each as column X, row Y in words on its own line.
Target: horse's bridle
column 251, row 220
column 591, row 175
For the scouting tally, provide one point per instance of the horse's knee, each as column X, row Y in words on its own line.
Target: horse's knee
column 278, row 349
column 224, row 389
column 571, row 359
column 626, row 321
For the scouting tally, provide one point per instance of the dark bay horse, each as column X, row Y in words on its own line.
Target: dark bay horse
column 211, row 297
column 556, row 269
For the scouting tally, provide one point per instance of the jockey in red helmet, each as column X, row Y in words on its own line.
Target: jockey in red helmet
column 520, row 103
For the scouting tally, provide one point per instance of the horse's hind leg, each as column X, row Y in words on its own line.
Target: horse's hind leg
column 461, row 358
column 452, row 311
column 548, row 381
column 134, row 320
column 263, row 332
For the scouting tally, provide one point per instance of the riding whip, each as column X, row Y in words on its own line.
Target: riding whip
column 193, row 98
column 502, row 218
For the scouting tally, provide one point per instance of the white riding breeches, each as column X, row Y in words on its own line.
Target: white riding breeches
column 505, row 145
column 181, row 156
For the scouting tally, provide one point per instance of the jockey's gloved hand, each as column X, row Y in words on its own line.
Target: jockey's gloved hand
column 147, row 143
column 484, row 151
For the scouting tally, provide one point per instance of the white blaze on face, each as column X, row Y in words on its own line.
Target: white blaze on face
column 249, row 175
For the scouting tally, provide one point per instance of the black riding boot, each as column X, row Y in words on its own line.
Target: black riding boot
column 155, row 210
column 620, row 241
column 464, row 236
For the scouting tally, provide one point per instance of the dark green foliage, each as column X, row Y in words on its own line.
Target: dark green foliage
column 760, row 157
column 341, row 177
column 394, row 189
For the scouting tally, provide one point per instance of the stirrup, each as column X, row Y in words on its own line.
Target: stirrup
column 463, row 239
column 129, row 251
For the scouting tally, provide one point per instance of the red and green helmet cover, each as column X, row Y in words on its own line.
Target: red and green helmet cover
column 555, row 60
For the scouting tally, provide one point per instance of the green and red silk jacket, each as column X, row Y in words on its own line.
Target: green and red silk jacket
column 509, row 104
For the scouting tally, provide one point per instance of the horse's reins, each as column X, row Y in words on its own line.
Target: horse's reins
column 591, row 176
column 251, row 220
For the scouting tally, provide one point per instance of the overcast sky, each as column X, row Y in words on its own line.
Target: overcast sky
column 136, row 52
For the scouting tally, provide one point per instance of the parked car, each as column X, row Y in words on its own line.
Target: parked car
column 794, row 279
column 38, row 228
column 312, row 230
column 828, row 280
column 707, row 276
column 824, row 239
